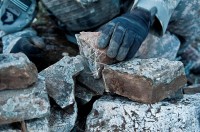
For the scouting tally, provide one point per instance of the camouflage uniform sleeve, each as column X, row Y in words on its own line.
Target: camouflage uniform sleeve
column 164, row 8
column 15, row 15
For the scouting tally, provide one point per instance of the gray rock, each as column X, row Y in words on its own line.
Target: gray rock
column 9, row 128
column 62, row 120
column 120, row 114
column 83, row 95
column 145, row 80
column 86, row 78
column 24, row 104
column 59, row 80
column 16, row 71
column 37, row 125
column 96, row 57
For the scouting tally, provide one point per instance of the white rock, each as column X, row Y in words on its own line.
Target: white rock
column 119, row 114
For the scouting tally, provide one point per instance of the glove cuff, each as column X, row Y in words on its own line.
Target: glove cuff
column 141, row 13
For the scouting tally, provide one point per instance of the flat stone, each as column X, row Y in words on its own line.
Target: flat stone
column 62, row 120
column 59, row 80
column 120, row 114
column 86, row 78
column 145, row 80
column 83, row 95
column 16, row 71
column 37, row 125
column 24, row 104
column 96, row 57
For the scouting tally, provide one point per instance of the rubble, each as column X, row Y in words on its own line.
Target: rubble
column 37, row 125
column 83, row 95
column 59, row 80
column 120, row 114
column 87, row 42
column 86, row 78
column 16, row 71
column 24, row 104
column 145, row 80
column 62, row 120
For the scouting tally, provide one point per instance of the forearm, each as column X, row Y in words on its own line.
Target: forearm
column 162, row 9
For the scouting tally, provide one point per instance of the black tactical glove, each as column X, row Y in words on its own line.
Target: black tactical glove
column 124, row 35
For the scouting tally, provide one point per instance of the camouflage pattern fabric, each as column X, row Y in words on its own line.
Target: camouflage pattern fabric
column 184, row 23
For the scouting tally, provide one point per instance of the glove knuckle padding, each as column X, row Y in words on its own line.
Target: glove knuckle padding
column 16, row 14
column 106, row 34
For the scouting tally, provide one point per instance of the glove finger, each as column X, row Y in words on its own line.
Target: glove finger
column 116, row 41
column 134, row 48
column 106, row 35
column 24, row 45
column 126, row 45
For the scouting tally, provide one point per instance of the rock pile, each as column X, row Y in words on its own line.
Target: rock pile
column 23, row 94
column 135, row 95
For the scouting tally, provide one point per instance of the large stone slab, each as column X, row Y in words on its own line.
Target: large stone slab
column 16, row 71
column 120, row 114
column 145, row 80
column 59, row 79
column 24, row 104
column 86, row 78
column 96, row 57
column 62, row 120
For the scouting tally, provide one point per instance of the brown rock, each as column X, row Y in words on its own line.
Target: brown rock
column 145, row 80
column 87, row 42
column 16, row 71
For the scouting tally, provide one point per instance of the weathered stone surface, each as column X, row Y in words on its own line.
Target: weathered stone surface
column 16, row 71
column 86, row 78
column 87, row 42
column 24, row 104
column 59, row 80
column 62, row 120
column 83, row 95
column 145, row 80
column 37, row 125
column 120, row 114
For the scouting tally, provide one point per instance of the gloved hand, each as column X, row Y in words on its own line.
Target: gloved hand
column 85, row 2
column 124, row 34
